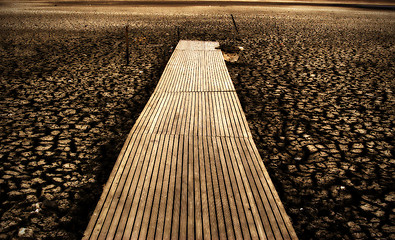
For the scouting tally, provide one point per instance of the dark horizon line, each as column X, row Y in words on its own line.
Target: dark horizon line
column 224, row 3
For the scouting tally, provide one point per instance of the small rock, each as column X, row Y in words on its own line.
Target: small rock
column 31, row 198
column 359, row 235
column 230, row 57
column 63, row 205
column 70, row 112
column 361, row 131
column 8, row 224
column 367, row 207
column 26, row 142
column 82, row 127
column 48, row 196
column 356, row 150
column 41, row 162
column 48, row 187
column 47, row 138
column 27, row 191
column 354, row 227
column 34, row 220
column 343, row 147
column 6, row 177
column 379, row 213
column 57, row 179
column 64, row 142
column 37, row 181
column 292, row 168
column 65, row 220
column 320, row 146
column 55, row 132
column 25, row 233
column 357, row 145
column 388, row 228
column 390, row 197
column 15, row 195
column 312, row 148
column 12, row 173
column 70, row 166
column 43, row 147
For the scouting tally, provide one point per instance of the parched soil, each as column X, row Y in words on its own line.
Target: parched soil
column 316, row 84
column 319, row 100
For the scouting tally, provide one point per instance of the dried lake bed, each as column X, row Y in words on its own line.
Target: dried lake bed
column 316, row 84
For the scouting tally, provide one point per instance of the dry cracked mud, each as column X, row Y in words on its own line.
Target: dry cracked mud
column 316, row 85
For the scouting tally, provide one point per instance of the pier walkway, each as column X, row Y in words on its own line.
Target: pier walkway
column 189, row 168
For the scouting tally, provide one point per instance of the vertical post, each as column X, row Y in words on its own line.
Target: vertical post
column 178, row 34
column 127, row 44
column 234, row 23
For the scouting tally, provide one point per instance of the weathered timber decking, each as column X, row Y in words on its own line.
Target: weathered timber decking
column 189, row 168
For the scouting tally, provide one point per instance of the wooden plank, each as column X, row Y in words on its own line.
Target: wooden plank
column 227, row 207
column 238, row 168
column 235, row 218
column 117, row 179
column 170, row 189
column 198, row 224
column 260, row 207
column 125, row 196
column 184, row 191
column 95, row 226
column 153, row 191
column 153, row 224
column 165, row 186
column 245, row 191
column 145, row 197
column 213, row 219
column 202, row 183
column 289, row 233
column 175, row 223
column 220, row 214
column 139, row 192
column 236, row 185
column 189, row 167
column 117, row 202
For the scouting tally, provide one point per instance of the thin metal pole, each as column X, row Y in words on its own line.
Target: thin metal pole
column 234, row 23
column 127, row 44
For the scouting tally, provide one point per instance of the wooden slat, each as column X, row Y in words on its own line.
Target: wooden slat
column 189, row 168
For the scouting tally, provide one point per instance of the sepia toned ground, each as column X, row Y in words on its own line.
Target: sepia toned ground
column 316, row 84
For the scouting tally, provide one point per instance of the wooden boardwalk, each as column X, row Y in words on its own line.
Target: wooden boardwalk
column 189, row 168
